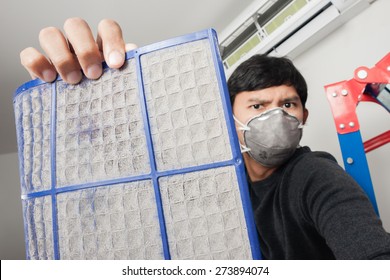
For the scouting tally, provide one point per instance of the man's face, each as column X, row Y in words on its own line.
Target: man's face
column 248, row 104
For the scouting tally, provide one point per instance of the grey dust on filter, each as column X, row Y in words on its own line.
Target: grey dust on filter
column 100, row 129
column 204, row 215
column 112, row 168
column 33, row 121
column 184, row 105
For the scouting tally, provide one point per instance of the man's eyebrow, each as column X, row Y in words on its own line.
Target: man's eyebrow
column 258, row 100
column 291, row 99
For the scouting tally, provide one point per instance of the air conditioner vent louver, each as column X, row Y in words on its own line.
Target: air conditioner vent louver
column 283, row 27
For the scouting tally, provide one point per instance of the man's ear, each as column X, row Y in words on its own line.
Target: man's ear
column 305, row 115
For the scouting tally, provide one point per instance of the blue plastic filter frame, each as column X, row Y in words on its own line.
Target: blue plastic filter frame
column 52, row 195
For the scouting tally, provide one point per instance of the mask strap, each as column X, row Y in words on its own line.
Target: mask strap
column 244, row 149
column 243, row 126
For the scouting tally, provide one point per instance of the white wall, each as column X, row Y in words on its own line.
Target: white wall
column 363, row 41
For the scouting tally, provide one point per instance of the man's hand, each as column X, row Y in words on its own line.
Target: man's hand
column 67, row 54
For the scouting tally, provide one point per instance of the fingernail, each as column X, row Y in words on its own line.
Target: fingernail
column 130, row 46
column 49, row 75
column 116, row 58
column 73, row 77
column 94, row 71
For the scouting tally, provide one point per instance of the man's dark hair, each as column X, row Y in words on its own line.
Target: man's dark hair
column 262, row 71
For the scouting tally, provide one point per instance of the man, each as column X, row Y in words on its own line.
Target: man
column 305, row 205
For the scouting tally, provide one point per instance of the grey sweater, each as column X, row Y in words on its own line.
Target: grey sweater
column 310, row 208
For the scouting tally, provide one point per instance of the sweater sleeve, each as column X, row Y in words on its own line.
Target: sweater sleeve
column 340, row 211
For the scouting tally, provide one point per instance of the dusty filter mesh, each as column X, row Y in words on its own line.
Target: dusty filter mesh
column 139, row 164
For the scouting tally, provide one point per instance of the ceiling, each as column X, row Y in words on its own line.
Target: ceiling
column 143, row 22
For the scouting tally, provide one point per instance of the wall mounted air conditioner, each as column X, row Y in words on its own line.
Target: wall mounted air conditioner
column 283, row 27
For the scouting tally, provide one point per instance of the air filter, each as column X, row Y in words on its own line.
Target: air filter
column 142, row 163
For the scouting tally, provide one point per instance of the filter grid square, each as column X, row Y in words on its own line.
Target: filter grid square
column 101, row 137
column 33, row 119
column 206, row 205
column 176, row 80
column 111, row 222
column 39, row 228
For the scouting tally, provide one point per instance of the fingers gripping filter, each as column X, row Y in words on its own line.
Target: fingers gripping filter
column 142, row 163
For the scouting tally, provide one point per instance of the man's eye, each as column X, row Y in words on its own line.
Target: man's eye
column 288, row 105
column 256, row 106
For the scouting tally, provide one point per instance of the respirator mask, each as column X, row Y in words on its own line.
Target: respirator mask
column 272, row 137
